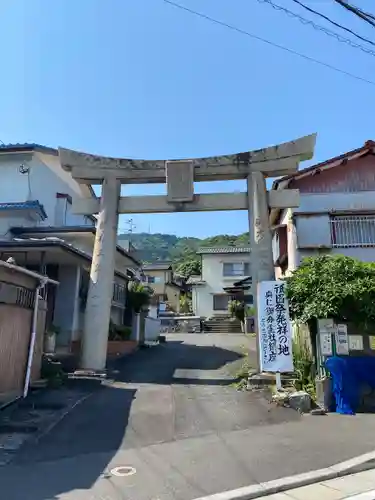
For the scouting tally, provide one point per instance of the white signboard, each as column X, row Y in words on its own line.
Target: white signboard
column 326, row 325
column 326, row 343
column 355, row 343
column 342, row 343
column 275, row 337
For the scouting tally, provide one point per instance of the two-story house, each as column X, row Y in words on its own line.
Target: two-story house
column 336, row 213
column 222, row 267
column 40, row 232
column 166, row 286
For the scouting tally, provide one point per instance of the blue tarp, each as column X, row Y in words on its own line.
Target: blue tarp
column 349, row 374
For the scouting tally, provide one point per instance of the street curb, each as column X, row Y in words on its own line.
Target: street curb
column 357, row 464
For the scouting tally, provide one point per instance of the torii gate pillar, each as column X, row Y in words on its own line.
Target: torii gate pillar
column 100, row 294
column 179, row 176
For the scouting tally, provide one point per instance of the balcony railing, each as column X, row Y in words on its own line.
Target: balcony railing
column 353, row 231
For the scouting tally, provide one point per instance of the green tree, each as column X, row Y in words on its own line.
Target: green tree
column 188, row 268
column 335, row 287
column 139, row 296
column 236, row 309
column 185, row 304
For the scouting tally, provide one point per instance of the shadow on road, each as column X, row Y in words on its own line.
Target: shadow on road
column 164, row 363
column 74, row 455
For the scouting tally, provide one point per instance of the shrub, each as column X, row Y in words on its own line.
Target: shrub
column 236, row 309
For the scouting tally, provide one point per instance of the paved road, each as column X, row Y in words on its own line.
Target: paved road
column 173, row 416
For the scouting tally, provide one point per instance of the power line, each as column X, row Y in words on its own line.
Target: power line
column 338, row 25
column 268, row 42
column 356, row 11
column 318, row 27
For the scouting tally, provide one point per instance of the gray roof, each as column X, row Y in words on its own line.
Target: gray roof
column 224, row 250
column 25, row 205
column 26, row 147
column 158, row 266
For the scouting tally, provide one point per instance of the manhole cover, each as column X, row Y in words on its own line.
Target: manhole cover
column 123, row 471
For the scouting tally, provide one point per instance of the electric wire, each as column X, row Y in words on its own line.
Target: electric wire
column 269, row 42
column 338, row 25
column 318, row 27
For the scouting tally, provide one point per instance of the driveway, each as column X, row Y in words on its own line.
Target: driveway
column 172, row 415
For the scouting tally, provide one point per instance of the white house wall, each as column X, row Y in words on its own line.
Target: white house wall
column 41, row 184
column 325, row 202
column 45, row 183
column 212, row 274
column 314, row 230
column 361, row 253
column 312, row 220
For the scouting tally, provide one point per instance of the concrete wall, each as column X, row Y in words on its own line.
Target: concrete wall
column 212, row 274
column 173, row 294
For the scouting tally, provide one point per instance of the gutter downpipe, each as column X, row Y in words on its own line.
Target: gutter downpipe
column 39, row 288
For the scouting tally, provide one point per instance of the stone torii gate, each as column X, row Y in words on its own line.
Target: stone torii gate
column 179, row 175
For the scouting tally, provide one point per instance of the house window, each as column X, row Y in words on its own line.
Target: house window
column 236, row 269
column 353, row 231
column 220, row 302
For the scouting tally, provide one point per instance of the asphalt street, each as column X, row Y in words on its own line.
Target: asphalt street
column 171, row 426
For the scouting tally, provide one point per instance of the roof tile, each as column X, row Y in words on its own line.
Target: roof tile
column 224, row 250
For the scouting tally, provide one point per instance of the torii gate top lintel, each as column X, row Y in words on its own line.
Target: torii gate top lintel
column 273, row 161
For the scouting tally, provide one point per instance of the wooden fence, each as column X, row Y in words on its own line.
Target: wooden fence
column 17, row 294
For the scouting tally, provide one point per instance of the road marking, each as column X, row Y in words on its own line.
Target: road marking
column 123, row 471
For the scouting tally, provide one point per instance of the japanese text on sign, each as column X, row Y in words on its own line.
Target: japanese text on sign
column 274, row 328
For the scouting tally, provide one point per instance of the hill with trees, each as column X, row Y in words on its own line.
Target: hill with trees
column 180, row 251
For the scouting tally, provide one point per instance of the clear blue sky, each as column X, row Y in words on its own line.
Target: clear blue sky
column 142, row 79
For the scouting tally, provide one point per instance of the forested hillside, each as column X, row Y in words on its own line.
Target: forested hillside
column 181, row 251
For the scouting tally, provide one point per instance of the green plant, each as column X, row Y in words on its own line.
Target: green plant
column 123, row 332
column 53, row 330
column 185, row 304
column 304, row 367
column 335, row 287
column 118, row 332
column 52, row 371
column 236, row 309
column 139, row 296
column 250, row 311
column 189, row 268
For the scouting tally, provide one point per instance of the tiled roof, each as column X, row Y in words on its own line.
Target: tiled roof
column 25, row 205
column 244, row 282
column 367, row 148
column 224, row 250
